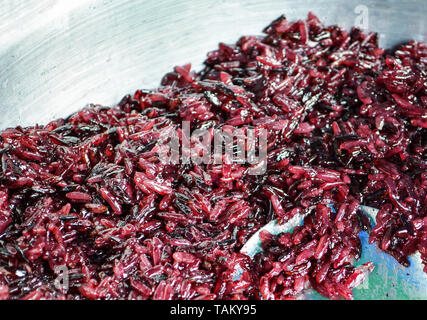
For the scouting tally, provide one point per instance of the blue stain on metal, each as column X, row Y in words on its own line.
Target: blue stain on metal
column 389, row 280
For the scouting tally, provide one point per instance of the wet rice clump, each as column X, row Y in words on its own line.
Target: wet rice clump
column 346, row 125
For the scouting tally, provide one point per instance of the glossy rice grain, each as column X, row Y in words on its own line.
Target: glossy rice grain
column 346, row 124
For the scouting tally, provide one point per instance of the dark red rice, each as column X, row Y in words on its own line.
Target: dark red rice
column 347, row 126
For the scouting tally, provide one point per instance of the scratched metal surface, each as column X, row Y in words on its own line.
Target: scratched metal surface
column 56, row 55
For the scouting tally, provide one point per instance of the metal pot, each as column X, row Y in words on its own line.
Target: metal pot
column 56, row 56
